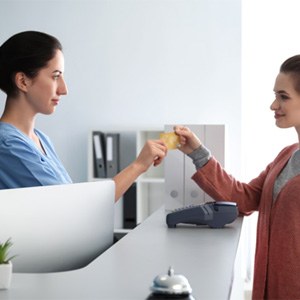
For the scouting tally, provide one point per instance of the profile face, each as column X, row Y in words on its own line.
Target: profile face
column 287, row 102
column 45, row 90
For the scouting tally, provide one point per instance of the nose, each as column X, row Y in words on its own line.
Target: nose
column 63, row 89
column 274, row 105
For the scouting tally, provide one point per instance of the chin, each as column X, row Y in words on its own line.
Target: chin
column 283, row 126
column 47, row 113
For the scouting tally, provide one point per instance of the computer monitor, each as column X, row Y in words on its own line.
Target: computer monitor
column 59, row 227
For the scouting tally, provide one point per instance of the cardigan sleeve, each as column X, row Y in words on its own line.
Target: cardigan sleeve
column 221, row 186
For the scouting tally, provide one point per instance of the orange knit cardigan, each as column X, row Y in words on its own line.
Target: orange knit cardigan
column 277, row 257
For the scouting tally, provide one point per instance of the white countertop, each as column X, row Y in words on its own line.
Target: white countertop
column 126, row 271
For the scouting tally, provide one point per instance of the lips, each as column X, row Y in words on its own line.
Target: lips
column 277, row 116
column 55, row 101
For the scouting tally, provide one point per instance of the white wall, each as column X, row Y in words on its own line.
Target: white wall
column 270, row 31
column 135, row 64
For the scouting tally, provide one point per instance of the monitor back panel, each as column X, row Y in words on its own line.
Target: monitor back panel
column 57, row 228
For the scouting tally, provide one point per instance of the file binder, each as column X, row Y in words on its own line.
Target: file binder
column 99, row 154
column 129, row 208
column 112, row 154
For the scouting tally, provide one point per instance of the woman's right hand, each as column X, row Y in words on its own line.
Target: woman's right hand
column 188, row 139
column 152, row 153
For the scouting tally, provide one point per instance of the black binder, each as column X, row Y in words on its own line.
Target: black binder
column 112, row 154
column 99, row 154
column 129, row 207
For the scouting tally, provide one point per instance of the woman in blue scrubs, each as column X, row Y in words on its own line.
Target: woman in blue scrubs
column 32, row 77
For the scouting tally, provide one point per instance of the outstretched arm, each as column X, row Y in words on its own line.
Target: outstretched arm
column 152, row 153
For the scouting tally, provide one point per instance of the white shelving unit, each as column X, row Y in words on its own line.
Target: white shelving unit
column 150, row 188
column 153, row 188
column 150, row 185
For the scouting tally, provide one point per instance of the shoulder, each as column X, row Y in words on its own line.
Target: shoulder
column 8, row 132
column 288, row 151
column 285, row 154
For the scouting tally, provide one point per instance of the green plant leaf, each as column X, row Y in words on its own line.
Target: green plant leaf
column 4, row 250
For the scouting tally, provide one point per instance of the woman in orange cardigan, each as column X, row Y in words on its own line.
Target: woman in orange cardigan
column 275, row 194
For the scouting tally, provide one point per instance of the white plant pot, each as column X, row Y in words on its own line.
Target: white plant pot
column 5, row 275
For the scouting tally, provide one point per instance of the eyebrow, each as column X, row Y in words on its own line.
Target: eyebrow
column 281, row 92
column 57, row 71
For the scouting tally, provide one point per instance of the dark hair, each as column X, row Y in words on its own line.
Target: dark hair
column 292, row 66
column 26, row 52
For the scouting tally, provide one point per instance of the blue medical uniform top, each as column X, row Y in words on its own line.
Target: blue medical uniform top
column 22, row 164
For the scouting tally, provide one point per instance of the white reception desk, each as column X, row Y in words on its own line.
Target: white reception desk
column 206, row 257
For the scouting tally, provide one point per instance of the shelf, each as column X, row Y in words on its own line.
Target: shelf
column 150, row 180
column 121, row 230
column 150, row 186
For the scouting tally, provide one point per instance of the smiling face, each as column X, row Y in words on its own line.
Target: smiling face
column 287, row 102
column 44, row 91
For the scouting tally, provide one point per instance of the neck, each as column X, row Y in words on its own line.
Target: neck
column 18, row 115
column 298, row 133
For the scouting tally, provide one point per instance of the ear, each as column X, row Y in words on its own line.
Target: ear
column 22, row 81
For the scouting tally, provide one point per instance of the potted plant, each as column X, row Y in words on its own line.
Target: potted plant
column 5, row 264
